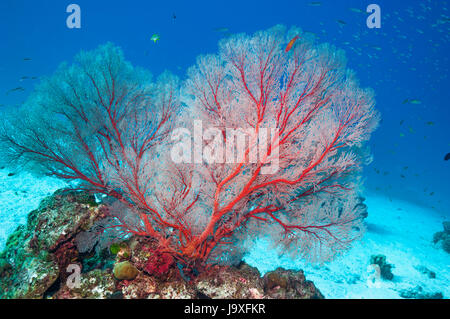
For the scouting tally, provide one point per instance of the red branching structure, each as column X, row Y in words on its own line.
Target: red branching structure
column 112, row 135
column 321, row 117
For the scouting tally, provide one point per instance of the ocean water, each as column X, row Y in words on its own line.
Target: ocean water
column 405, row 62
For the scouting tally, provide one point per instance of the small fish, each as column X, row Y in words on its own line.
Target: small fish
column 430, row 123
column 23, row 78
column 341, row 22
column 315, row 3
column 155, row 37
column 356, row 10
column 447, row 157
column 432, row 193
column 221, row 30
column 412, row 101
column 27, row 59
column 291, row 43
column 15, row 89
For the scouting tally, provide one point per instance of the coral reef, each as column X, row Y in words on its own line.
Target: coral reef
column 96, row 284
column 34, row 263
column 288, row 284
column 125, row 271
column 442, row 238
column 418, row 293
column 37, row 253
column 424, row 270
column 385, row 268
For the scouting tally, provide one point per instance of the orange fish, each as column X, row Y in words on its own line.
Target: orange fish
column 291, row 43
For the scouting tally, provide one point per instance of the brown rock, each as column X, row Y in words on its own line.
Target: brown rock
column 289, row 284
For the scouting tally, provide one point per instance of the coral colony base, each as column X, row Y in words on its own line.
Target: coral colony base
column 171, row 219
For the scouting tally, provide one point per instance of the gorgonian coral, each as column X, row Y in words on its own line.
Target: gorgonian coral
column 281, row 147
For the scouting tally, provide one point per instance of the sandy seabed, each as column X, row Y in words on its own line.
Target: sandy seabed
column 20, row 194
column 398, row 229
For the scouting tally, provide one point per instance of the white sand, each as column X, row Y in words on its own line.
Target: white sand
column 399, row 230
column 20, row 194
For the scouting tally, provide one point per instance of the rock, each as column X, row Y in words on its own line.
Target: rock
column 60, row 218
column 125, row 271
column 446, row 225
column 418, row 293
column 228, row 282
column 66, row 254
column 424, row 270
column 361, row 208
column 446, row 244
column 116, row 295
column 30, row 280
column 223, row 282
column 179, row 290
column 140, row 288
column 30, row 273
column 5, row 268
column 443, row 237
column 289, row 284
column 438, row 236
column 38, row 252
column 385, row 268
column 96, row 284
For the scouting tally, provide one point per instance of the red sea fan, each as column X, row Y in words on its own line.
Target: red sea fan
column 302, row 186
column 277, row 147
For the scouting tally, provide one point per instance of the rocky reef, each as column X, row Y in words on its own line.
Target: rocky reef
column 419, row 293
column 38, row 256
column 385, row 268
column 442, row 238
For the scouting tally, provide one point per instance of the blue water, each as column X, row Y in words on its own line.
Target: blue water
column 406, row 59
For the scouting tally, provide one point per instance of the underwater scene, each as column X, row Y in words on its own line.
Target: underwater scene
column 224, row 150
